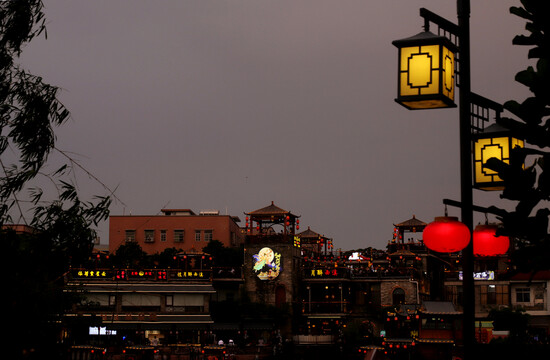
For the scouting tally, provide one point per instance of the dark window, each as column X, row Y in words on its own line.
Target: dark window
column 398, row 296
column 130, row 236
column 523, row 295
column 149, row 236
column 178, row 235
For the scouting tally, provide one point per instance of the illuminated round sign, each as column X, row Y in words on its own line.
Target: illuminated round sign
column 267, row 264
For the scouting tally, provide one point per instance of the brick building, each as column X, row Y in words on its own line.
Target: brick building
column 175, row 228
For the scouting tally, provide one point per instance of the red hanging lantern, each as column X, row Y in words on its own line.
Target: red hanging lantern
column 486, row 243
column 446, row 235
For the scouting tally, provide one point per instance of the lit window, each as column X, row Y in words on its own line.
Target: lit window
column 178, row 235
column 163, row 235
column 130, row 236
column 207, row 235
column 149, row 236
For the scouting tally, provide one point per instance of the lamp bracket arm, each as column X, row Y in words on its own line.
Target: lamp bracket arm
column 443, row 23
column 490, row 210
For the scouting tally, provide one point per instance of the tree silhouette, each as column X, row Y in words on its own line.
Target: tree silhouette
column 60, row 231
column 529, row 185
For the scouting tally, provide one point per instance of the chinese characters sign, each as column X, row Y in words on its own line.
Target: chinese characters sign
column 130, row 274
column 323, row 273
column 92, row 274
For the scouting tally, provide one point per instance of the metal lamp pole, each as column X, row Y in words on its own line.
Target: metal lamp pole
column 466, row 193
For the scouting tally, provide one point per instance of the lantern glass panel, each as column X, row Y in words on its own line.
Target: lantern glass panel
column 448, row 73
column 486, row 148
column 419, row 70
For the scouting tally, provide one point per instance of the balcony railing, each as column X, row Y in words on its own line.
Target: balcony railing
column 324, row 307
column 313, row 339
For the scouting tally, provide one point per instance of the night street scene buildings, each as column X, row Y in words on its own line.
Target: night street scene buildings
column 270, row 290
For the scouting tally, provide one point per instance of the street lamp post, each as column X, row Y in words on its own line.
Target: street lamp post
column 466, row 192
column 462, row 34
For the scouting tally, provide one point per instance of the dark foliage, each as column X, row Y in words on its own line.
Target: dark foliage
column 62, row 229
column 529, row 185
column 224, row 256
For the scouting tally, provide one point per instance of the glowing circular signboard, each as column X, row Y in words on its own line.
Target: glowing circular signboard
column 267, row 264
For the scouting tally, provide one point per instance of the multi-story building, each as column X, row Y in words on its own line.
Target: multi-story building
column 175, row 228
column 531, row 292
column 142, row 306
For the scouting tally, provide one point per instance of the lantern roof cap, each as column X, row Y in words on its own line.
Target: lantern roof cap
column 495, row 128
column 425, row 38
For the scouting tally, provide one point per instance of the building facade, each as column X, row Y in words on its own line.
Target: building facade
column 176, row 228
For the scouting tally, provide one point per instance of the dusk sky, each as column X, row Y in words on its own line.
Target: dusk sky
column 229, row 105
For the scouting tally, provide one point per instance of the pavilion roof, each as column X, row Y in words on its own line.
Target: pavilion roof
column 270, row 210
column 309, row 234
column 413, row 222
column 402, row 252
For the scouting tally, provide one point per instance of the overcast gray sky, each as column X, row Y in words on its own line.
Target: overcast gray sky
column 230, row 105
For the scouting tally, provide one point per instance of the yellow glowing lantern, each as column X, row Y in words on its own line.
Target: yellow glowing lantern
column 494, row 142
column 426, row 70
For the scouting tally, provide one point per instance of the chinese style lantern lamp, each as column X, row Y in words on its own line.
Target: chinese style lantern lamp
column 494, row 142
column 446, row 235
column 426, row 71
column 487, row 243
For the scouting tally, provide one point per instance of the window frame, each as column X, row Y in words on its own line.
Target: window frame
column 129, row 236
column 177, row 238
column 149, row 233
column 525, row 294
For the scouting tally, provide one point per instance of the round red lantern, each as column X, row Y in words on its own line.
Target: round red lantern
column 486, row 243
column 446, row 235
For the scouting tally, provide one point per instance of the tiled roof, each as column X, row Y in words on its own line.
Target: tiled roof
column 539, row 275
column 414, row 222
column 439, row 307
column 269, row 210
column 309, row 234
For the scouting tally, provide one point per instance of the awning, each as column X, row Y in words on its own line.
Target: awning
column 328, row 316
column 156, row 326
column 258, row 326
column 435, row 341
column 172, row 288
column 225, row 326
